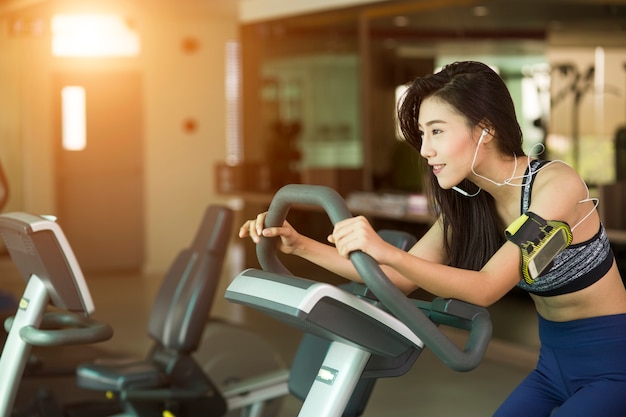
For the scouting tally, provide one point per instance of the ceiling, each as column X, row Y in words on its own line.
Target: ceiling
column 511, row 15
column 507, row 25
column 220, row 7
column 389, row 18
column 421, row 13
column 475, row 16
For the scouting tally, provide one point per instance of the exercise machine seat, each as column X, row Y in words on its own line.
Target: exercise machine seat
column 176, row 323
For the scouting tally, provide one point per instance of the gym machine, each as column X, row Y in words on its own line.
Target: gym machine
column 363, row 332
column 47, row 264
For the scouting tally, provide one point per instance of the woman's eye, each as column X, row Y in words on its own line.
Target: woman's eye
column 436, row 131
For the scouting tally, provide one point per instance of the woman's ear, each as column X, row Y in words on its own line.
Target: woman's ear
column 486, row 133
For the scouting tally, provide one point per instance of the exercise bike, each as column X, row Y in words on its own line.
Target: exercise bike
column 244, row 375
column 177, row 378
column 363, row 332
column 44, row 259
column 170, row 380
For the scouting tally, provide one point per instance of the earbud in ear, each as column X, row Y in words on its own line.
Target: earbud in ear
column 482, row 135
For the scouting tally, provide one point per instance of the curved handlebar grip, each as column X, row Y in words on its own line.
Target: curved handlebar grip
column 66, row 329
column 402, row 307
column 291, row 194
column 391, row 297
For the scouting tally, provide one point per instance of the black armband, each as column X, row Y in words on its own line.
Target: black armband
column 539, row 241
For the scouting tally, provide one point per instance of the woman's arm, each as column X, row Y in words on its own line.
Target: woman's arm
column 558, row 194
column 483, row 287
column 293, row 243
column 429, row 247
column 424, row 265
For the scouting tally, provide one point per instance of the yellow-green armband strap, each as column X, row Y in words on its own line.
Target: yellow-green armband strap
column 539, row 241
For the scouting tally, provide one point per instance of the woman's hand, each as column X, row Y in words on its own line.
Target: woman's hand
column 289, row 237
column 356, row 233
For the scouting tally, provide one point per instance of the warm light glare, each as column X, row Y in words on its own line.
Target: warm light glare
column 233, row 101
column 400, row 91
column 74, row 118
column 598, row 85
column 91, row 35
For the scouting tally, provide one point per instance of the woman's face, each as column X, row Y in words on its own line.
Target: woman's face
column 447, row 142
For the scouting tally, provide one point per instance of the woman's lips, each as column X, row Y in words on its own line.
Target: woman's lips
column 437, row 168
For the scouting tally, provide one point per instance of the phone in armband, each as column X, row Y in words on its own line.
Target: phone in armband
column 539, row 240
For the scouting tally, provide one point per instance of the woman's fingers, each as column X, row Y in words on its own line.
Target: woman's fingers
column 253, row 228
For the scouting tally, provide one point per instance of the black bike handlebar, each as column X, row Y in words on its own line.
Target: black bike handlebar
column 391, row 297
column 59, row 329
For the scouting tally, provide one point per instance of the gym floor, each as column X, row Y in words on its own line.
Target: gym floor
column 429, row 389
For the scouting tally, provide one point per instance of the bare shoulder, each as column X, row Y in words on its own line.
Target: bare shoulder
column 557, row 170
column 558, row 188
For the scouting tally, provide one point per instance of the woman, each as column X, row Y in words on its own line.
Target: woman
column 497, row 207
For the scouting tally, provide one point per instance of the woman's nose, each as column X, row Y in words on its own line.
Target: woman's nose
column 426, row 150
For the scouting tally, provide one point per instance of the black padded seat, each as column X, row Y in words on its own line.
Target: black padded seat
column 121, row 375
column 177, row 320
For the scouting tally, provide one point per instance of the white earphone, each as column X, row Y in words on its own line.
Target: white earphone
column 465, row 193
column 482, row 135
column 523, row 178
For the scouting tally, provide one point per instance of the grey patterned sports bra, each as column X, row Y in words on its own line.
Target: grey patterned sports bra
column 578, row 266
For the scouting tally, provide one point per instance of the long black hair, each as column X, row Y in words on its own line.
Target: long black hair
column 473, row 231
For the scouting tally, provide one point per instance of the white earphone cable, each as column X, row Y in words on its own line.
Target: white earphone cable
column 513, row 177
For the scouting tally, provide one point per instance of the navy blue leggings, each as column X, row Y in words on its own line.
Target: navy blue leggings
column 581, row 371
